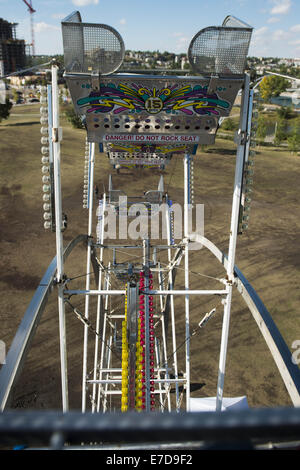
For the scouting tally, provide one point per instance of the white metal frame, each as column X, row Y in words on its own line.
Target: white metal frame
column 107, row 377
column 56, row 137
column 240, row 156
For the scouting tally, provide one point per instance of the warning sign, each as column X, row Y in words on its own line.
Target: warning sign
column 151, row 138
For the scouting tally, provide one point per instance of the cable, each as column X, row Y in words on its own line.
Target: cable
column 203, row 322
column 178, row 267
column 87, row 322
column 26, row 70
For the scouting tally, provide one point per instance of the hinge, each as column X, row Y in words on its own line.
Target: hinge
column 56, row 134
column 241, row 137
column 212, row 86
column 95, row 77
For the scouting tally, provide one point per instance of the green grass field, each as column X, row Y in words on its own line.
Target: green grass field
column 268, row 255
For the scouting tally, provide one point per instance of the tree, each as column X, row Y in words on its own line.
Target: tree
column 294, row 143
column 72, row 117
column 285, row 112
column 5, row 109
column 294, row 139
column 272, row 86
column 261, row 128
column 229, row 124
column 15, row 95
column 280, row 133
column 253, row 74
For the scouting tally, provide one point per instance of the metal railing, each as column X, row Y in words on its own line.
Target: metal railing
column 235, row 429
column 18, row 351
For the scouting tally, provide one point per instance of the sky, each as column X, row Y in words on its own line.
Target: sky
column 164, row 25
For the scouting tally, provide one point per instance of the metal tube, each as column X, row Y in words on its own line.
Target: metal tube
column 134, row 247
column 107, row 279
column 147, row 332
column 190, row 292
column 132, row 330
column 233, row 240
column 186, row 279
column 163, row 328
column 51, row 167
column 174, row 353
column 261, row 424
column 88, row 277
column 117, row 381
column 157, row 356
column 57, row 174
column 98, row 306
column 154, row 292
column 59, row 237
column 107, row 380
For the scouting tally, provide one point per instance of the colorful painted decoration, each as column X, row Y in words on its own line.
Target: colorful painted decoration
column 175, row 99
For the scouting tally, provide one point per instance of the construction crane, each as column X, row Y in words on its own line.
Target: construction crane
column 31, row 11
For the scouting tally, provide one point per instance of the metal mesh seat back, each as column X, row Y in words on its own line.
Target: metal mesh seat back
column 91, row 48
column 74, row 17
column 73, row 47
column 232, row 21
column 138, row 116
column 220, row 50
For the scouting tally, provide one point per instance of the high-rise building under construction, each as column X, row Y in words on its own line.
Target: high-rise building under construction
column 12, row 50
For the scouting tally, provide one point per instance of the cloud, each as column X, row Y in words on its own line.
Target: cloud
column 260, row 31
column 123, row 21
column 261, row 41
column 84, row 3
column 295, row 28
column 58, row 16
column 182, row 43
column 45, row 27
column 281, row 7
column 183, row 40
column 295, row 43
column 280, row 35
column 273, row 19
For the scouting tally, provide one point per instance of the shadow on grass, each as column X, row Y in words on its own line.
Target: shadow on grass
column 222, row 151
column 29, row 123
column 194, row 386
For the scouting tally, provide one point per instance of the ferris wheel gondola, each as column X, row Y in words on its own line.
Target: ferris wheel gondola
column 136, row 354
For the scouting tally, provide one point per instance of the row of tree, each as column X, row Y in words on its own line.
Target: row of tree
column 5, row 109
column 284, row 128
column 272, row 85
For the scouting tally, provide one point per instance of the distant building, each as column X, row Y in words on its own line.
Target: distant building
column 184, row 61
column 297, row 62
column 288, row 99
column 12, row 50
